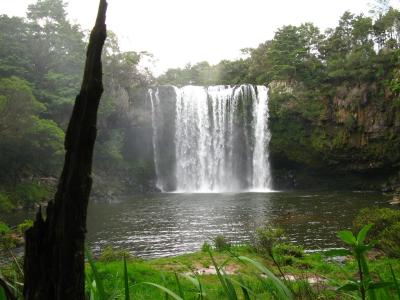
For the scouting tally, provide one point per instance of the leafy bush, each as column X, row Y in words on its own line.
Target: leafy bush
column 221, row 243
column 206, row 247
column 4, row 228
column 31, row 193
column 289, row 249
column 380, row 218
column 389, row 240
column 21, row 228
column 366, row 286
column 6, row 238
column 385, row 229
column 266, row 238
column 286, row 253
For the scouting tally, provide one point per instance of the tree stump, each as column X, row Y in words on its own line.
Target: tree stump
column 54, row 249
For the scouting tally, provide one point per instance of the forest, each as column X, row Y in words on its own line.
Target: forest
column 42, row 58
column 41, row 65
column 331, row 142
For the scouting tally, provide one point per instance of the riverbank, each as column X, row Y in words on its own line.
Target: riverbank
column 309, row 275
column 252, row 268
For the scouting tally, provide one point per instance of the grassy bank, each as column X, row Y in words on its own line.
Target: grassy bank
column 367, row 267
column 310, row 276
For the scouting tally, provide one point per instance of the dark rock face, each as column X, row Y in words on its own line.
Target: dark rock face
column 350, row 138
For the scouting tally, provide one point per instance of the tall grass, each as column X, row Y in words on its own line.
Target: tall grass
column 234, row 287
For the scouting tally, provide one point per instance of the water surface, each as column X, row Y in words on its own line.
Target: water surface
column 171, row 224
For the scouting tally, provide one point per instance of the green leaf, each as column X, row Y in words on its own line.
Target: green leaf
column 282, row 289
column 178, row 283
column 194, row 281
column 363, row 233
column 379, row 285
column 228, row 291
column 2, row 294
column 396, row 283
column 347, row 237
column 230, row 286
column 168, row 291
column 97, row 279
column 349, row 287
column 126, row 283
column 245, row 289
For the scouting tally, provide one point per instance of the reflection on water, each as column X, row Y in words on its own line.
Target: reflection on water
column 171, row 224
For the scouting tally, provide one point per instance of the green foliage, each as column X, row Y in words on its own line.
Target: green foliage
column 22, row 227
column 267, row 238
column 286, row 253
column 389, row 240
column 94, row 280
column 178, row 275
column 206, row 247
column 280, row 290
column 41, row 64
column 6, row 204
column 31, row 193
column 221, row 243
column 385, row 230
column 126, row 280
column 4, row 229
column 28, row 144
column 109, row 254
column 7, row 240
column 365, row 286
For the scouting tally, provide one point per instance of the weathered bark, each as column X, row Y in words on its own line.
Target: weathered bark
column 54, row 249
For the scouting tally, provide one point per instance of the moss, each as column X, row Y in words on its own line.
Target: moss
column 320, row 140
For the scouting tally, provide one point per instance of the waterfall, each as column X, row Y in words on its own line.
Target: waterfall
column 261, row 170
column 221, row 139
column 155, row 114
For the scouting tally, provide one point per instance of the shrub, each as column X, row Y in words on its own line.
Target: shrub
column 389, row 240
column 266, row 238
column 286, row 253
column 4, row 229
column 380, row 218
column 24, row 226
column 206, row 247
column 385, row 228
column 221, row 243
column 289, row 249
column 6, row 238
column 31, row 193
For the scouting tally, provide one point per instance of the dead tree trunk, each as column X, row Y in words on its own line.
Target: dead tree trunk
column 54, row 250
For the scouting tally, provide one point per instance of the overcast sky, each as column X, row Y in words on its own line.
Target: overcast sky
column 182, row 31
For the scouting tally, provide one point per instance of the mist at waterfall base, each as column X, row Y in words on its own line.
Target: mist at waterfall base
column 219, row 138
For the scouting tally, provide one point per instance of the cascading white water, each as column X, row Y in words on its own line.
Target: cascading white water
column 221, row 138
column 261, row 170
column 155, row 107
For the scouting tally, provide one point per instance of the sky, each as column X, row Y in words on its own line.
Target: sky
column 178, row 32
